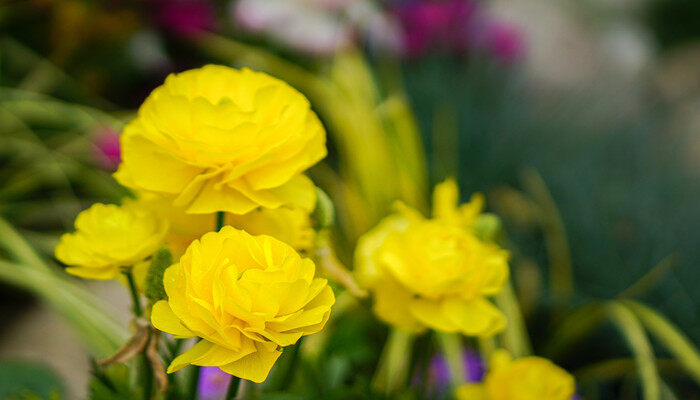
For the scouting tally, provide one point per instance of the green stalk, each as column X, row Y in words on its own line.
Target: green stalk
column 670, row 337
column 194, row 382
column 515, row 337
column 451, row 347
column 136, row 302
column 233, row 386
column 486, row 347
column 145, row 370
column 392, row 370
column 632, row 330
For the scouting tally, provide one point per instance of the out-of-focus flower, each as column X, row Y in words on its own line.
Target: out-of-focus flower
column 522, row 379
column 437, row 377
column 457, row 26
column 317, row 27
column 433, row 273
column 106, row 145
column 298, row 24
column 220, row 139
column 109, row 237
column 442, row 24
column 246, row 297
column 505, row 42
column 213, row 383
column 290, row 225
column 185, row 17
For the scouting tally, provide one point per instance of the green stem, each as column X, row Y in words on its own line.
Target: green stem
column 451, row 346
column 194, row 382
column 487, row 346
column 393, row 363
column 147, row 375
column 138, row 312
column 220, row 215
column 515, row 337
column 233, row 388
column 289, row 373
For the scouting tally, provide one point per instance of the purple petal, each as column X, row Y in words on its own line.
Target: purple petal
column 213, row 383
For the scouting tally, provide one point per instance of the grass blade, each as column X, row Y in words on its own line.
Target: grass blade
column 632, row 330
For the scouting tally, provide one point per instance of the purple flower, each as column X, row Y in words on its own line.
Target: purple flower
column 505, row 42
column 438, row 374
column 185, row 17
column 213, row 383
column 445, row 24
column 106, row 148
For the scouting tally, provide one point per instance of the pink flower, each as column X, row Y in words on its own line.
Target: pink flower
column 445, row 24
column 185, row 17
column 505, row 42
column 106, row 148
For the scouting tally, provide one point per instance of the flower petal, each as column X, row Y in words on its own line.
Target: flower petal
column 255, row 366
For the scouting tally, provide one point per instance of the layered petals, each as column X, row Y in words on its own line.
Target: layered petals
column 434, row 273
column 220, row 139
column 109, row 237
column 246, row 297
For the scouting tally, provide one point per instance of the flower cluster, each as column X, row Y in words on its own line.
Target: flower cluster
column 434, row 273
column 216, row 148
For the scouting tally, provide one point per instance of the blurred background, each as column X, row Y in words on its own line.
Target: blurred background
column 595, row 103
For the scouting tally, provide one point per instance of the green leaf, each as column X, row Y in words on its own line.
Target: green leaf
column 72, row 301
column 112, row 383
column 154, row 278
column 670, row 337
column 324, row 213
column 632, row 330
column 488, row 227
column 22, row 380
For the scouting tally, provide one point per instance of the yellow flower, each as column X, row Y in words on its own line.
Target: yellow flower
column 432, row 273
column 108, row 237
column 527, row 378
column 220, row 139
column 290, row 225
column 246, row 297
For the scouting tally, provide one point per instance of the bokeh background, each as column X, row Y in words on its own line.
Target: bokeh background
column 597, row 100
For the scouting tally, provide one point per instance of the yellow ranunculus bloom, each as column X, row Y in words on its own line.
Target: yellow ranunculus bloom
column 220, row 139
column 290, row 225
column 108, row 237
column 432, row 273
column 527, row 378
column 246, row 297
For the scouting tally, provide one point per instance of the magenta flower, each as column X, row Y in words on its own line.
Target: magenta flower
column 444, row 24
column 438, row 373
column 213, row 383
column 505, row 42
column 106, row 148
column 185, row 18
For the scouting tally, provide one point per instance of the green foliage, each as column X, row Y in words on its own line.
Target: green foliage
column 112, row 383
column 324, row 213
column 154, row 278
column 21, row 380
